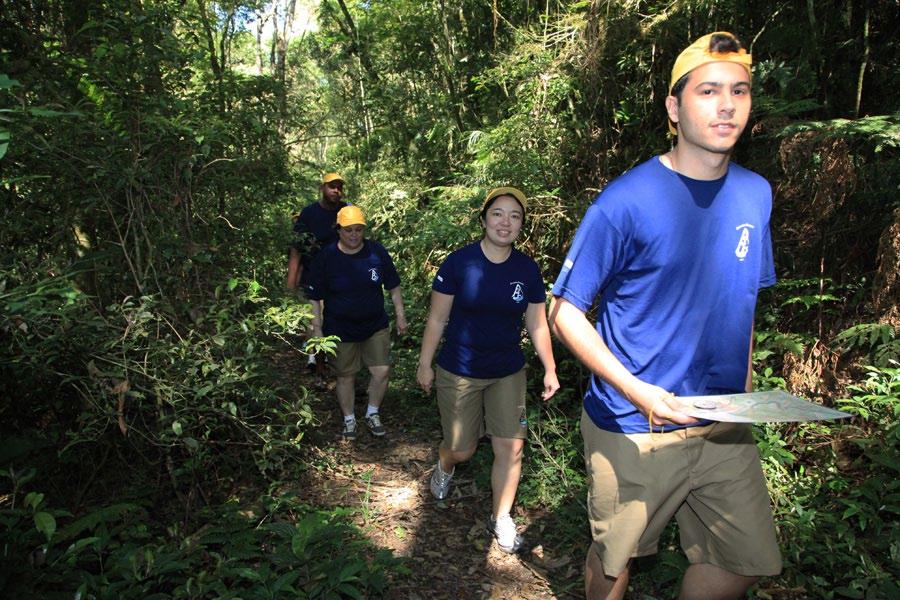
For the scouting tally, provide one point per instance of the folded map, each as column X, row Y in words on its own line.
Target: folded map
column 757, row 407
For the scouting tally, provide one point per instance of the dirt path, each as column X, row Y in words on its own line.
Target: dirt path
column 444, row 544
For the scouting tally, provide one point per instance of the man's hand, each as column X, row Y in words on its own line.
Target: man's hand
column 425, row 377
column 402, row 325
column 658, row 405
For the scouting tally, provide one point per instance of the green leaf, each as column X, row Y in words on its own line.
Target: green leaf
column 33, row 500
column 74, row 548
column 45, row 523
column 6, row 82
column 247, row 573
column 4, row 142
column 176, row 427
column 350, row 571
column 351, row 591
column 46, row 112
column 298, row 544
column 849, row 592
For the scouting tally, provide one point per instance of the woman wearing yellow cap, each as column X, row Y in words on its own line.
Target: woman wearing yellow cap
column 346, row 286
column 481, row 293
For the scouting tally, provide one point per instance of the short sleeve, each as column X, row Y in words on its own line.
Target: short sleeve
column 596, row 255
column 445, row 281
column 767, row 266
column 537, row 293
column 315, row 284
column 391, row 277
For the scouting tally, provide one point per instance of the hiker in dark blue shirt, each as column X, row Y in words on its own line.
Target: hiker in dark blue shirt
column 314, row 229
column 346, row 285
column 480, row 297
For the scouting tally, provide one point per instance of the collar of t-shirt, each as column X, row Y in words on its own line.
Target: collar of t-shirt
column 703, row 191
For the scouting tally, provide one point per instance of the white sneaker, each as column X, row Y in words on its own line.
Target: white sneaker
column 440, row 481
column 349, row 431
column 503, row 529
column 375, row 426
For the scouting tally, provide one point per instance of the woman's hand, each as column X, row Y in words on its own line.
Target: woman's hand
column 425, row 377
column 551, row 384
column 402, row 325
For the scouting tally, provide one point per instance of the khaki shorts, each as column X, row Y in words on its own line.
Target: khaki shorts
column 471, row 407
column 708, row 477
column 372, row 352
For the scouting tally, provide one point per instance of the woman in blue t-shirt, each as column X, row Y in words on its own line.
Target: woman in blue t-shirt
column 348, row 277
column 481, row 293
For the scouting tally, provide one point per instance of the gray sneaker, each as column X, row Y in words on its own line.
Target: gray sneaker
column 375, row 426
column 503, row 529
column 349, row 432
column 440, row 481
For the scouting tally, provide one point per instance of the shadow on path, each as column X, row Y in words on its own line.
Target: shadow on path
column 444, row 544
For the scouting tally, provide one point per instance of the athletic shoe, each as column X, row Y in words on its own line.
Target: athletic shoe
column 503, row 530
column 440, row 482
column 375, row 426
column 349, row 432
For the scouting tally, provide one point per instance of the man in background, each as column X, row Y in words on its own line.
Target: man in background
column 314, row 228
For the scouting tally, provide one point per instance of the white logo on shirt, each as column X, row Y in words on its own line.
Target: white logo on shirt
column 517, row 295
column 743, row 246
column 374, row 273
column 439, row 278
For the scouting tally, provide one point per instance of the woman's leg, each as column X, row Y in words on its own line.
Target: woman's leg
column 505, row 472
column 451, row 458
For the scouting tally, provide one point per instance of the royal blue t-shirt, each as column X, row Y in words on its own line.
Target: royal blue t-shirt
column 313, row 230
column 674, row 265
column 351, row 286
column 484, row 332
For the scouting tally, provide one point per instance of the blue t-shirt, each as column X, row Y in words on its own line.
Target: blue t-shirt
column 351, row 287
column 314, row 229
column 675, row 265
column 484, row 333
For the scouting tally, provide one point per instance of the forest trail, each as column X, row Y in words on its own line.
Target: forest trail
column 443, row 544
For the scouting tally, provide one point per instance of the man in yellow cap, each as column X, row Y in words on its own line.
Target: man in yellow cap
column 313, row 230
column 673, row 253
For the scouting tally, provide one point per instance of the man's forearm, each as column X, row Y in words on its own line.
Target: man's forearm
column 571, row 327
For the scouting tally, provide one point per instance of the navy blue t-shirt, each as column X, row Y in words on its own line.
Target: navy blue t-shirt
column 484, row 333
column 675, row 265
column 351, row 287
column 313, row 230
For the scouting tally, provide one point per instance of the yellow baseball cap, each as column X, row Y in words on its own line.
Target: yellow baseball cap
column 329, row 177
column 505, row 191
column 350, row 215
column 699, row 54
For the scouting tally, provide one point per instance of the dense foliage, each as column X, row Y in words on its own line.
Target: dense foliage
column 151, row 154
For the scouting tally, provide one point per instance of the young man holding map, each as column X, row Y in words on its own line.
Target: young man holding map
column 674, row 252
